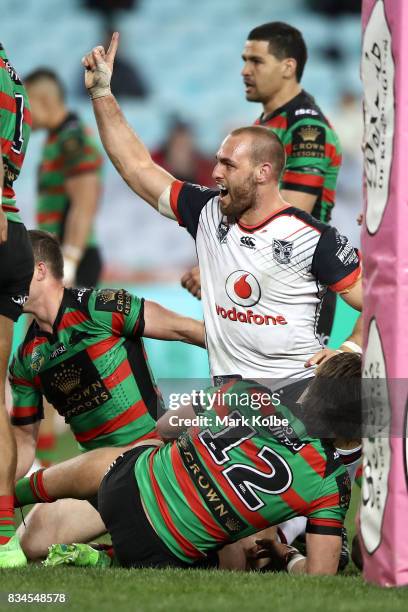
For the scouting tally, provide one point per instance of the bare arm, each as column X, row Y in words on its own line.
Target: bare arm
column 163, row 324
column 127, row 152
column 172, row 423
column 26, row 439
column 299, row 199
column 83, row 192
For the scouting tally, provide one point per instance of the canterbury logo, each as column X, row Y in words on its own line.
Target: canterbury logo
column 248, row 241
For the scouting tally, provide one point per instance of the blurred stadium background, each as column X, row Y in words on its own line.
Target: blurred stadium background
column 185, row 56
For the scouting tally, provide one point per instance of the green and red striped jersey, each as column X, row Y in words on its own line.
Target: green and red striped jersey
column 92, row 368
column 313, row 153
column 15, row 130
column 236, row 472
column 69, row 150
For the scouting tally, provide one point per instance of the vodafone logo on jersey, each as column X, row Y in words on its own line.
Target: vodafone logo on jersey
column 243, row 289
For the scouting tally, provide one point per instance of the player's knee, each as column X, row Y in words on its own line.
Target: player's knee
column 39, row 531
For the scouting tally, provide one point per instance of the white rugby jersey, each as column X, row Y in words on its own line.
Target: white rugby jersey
column 261, row 286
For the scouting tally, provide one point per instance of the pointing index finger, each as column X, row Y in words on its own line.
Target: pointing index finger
column 113, row 47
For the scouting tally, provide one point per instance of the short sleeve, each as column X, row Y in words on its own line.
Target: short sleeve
column 311, row 148
column 327, row 513
column 27, row 398
column 336, row 263
column 184, row 202
column 79, row 154
column 117, row 311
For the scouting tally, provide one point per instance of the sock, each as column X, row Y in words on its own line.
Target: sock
column 7, row 524
column 45, row 448
column 31, row 490
column 292, row 528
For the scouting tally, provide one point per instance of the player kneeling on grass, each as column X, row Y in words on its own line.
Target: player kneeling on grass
column 84, row 353
column 230, row 475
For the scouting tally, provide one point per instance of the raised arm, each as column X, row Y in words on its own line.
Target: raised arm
column 127, row 152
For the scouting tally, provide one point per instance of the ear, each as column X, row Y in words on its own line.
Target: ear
column 264, row 173
column 40, row 271
column 289, row 66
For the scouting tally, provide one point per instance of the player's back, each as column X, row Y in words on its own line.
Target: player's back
column 239, row 470
column 15, row 129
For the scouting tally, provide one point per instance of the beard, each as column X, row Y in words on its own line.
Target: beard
column 242, row 197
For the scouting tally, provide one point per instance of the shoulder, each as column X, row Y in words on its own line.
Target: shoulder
column 303, row 110
column 79, row 298
column 302, row 218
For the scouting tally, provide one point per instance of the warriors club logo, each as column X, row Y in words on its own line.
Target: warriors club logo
column 243, row 288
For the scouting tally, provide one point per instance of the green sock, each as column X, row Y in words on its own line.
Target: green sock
column 31, row 490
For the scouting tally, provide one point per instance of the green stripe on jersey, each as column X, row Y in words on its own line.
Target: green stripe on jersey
column 236, row 478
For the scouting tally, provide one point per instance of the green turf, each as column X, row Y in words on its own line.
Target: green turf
column 179, row 590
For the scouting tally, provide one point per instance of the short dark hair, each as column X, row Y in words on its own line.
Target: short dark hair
column 266, row 146
column 46, row 248
column 45, row 74
column 332, row 407
column 284, row 41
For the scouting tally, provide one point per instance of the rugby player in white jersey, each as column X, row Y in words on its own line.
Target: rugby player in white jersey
column 264, row 264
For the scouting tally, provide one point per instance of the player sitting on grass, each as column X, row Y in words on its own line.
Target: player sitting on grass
column 225, row 478
column 84, row 353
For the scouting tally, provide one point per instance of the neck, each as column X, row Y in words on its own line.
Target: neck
column 282, row 97
column 45, row 309
column 266, row 203
column 57, row 116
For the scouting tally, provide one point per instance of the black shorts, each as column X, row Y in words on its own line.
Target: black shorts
column 16, row 270
column 90, row 268
column 134, row 540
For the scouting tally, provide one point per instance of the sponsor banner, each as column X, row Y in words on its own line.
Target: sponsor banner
column 384, row 65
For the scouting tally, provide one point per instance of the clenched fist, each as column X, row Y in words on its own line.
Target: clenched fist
column 98, row 68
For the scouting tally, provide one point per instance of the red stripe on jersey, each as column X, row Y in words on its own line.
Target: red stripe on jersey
column 7, row 103
column 118, row 322
column 102, row 347
column 52, row 190
column 131, row 414
column 331, row 151
column 21, row 381
column 252, row 517
column 324, row 522
column 280, row 123
column 300, row 178
column 314, row 459
column 176, row 187
column 347, row 281
column 193, row 498
column 23, row 411
column 52, row 165
column 30, row 346
column 84, row 167
column 328, row 195
column 76, row 317
column 327, row 501
column 188, row 548
column 290, row 496
column 119, row 375
column 49, row 217
column 288, row 149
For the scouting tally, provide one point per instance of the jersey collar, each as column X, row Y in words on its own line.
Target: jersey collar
column 253, row 228
column 296, row 102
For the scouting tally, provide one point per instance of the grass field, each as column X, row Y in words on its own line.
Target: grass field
column 196, row 590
